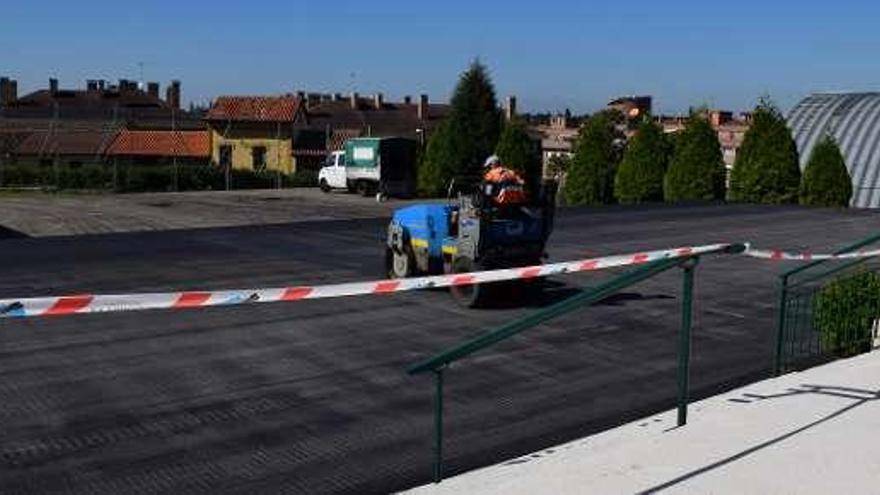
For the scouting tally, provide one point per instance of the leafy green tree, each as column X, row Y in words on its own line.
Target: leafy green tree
column 696, row 171
column 640, row 174
column 590, row 178
column 517, row 151
column 826, row 181
column 766, row 168
column 470, row 131
column 435, row 166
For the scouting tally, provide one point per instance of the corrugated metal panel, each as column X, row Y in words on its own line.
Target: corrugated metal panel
column 853, row 119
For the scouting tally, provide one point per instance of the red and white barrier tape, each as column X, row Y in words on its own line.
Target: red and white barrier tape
column 775, row 254
column 79, row 304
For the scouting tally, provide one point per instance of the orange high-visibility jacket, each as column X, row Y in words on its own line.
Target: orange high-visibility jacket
column 508, row 185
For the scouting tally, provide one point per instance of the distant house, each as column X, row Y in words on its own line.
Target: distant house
column 328, row 120
column 557, row 140
column 58, row 126
column 149, row 147
column 632, row 107
column 253, row 132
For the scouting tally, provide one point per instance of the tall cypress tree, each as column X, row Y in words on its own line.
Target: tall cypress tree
column 766, row 168
column 826, row 181
column 475, row 117
column 469, row 134
column 590, row 178
column 640, row 175
column 696, row 171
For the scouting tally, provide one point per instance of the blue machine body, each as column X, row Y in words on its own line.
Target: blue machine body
column 427, row 226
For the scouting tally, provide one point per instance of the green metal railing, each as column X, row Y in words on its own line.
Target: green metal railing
column 798, row 340
column 439, row 363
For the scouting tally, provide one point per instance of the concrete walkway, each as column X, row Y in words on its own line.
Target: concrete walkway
column 817, row 431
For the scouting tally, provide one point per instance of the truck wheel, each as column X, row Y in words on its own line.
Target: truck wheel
column 363, row 188
column 469, row 296
column 400, row 265
column 324, row 186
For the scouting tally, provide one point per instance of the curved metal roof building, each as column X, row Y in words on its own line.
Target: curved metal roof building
column 853, row 119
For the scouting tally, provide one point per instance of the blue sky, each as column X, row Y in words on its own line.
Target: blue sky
column 553, row 54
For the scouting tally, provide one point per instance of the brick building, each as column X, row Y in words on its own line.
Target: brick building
column 253, row 132
column 61, row 126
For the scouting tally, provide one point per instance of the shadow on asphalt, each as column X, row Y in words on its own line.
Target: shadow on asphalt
column 7, row 233
column 550, row 292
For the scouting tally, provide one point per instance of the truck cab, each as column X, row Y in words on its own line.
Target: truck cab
column 333, row 175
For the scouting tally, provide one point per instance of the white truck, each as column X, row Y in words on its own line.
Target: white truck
column 372, row 166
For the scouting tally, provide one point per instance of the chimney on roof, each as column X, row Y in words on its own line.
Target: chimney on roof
column 378, row 101
column 172, row 94
column 53, row 85
column 153, row 89
column 510, row 108
column 8, row 91
column 354, row 100
column 423, row 107
column 407, row 99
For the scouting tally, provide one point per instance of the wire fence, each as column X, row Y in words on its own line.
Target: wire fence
column 827, row 309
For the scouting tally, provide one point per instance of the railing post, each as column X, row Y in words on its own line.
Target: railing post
column 438, row 424
column 780, row 324
column 684, row 339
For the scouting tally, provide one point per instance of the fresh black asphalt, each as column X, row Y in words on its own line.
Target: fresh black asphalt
column 312, row 397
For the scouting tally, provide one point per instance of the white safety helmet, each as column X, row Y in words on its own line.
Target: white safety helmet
column 492, row 161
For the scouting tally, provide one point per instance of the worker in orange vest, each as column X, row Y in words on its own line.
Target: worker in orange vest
column 504, row 185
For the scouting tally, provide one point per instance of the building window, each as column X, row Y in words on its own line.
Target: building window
column 225, row 156
column 258, row 154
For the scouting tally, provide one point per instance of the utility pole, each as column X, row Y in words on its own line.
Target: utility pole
column 55, row 117
column 115, row 157
column 278, row 156
column 174, row 136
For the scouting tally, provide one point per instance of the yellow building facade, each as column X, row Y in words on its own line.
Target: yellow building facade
column 253, row 132
column 252, row 149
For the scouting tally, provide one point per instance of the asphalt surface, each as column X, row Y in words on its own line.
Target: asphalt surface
column 312, row 397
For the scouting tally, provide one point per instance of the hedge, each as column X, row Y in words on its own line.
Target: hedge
column 145, row 178
column 844, row 312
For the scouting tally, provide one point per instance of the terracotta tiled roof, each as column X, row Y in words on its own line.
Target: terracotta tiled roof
column 254, row 108
column 65, row 142
column 195, row 144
